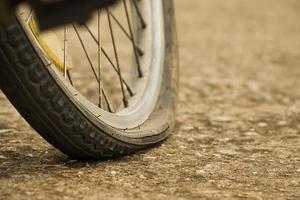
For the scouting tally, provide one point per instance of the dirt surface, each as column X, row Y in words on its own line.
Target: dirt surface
column 237, row 133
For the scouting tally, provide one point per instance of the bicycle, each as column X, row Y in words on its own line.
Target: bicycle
column 130, row 68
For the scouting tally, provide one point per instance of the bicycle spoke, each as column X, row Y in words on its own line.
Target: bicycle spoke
column 86, row 53
column 139, row 50
column 128, row 88
column 143, row 22
column 99, row 60
column 140, row 73
column 69, row 77
column 125, row 102
column 109, row 107
column 130, row 91
column 93, row 69
column 65, row 50
column 115, row 25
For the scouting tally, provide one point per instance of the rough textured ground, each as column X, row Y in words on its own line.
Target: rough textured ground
column 237, row 133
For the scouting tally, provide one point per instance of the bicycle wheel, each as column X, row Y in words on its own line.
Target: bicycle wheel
column 126, row 100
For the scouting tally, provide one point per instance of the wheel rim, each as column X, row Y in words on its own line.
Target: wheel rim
column 140, row 105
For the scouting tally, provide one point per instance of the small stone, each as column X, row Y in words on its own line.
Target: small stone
column 191, row 139
column 172, row 166
column 150, row 157
column 29, row 193
column 198, row 154
column 80, row 173
column 225, row 140
column 217, row 155
column 251, row 133
column 2, row 157
column 223, row 119
column 295, row 183
column 286, row 100
column 187, row 128
column 201, row 173
column 15, row 141
column 298, row 170
column 262, row 124
column 113, row 173
column 29, row 155
column 282, row 123
column 3, row 131
column 228, row 152
column 142, row 177
column 253, row 86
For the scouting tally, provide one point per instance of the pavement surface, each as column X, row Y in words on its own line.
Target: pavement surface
column 237, row 134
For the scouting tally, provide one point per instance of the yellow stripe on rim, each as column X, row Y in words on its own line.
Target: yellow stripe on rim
column 56, row 57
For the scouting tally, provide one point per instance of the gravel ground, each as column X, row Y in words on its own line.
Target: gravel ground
column 237, row 134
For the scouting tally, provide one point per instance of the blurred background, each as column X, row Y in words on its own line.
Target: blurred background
column 237, row 133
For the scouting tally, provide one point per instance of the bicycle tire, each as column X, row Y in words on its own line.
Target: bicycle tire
column 46, row 106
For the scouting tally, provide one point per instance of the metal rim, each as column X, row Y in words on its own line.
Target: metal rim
column 143, row 104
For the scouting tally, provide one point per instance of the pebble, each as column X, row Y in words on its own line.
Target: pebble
column 191, row 140
column 295, row 183
column 282, row 123
column 198, row 154
column 29, row 193
column 229, row 152
column 223, row 119
column 15, row 141
column 187, row 128
column 113, row 173
column 224, row 140
column 200, row 172
column 2, row 131
column 253, row 86
column 142, row 177
column 150, row 157
column 262, row 124
column 2, row 157
column 251, row 133
column 29, row 155
column 80, row 173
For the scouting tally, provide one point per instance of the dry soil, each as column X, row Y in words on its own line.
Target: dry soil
column 237, row 134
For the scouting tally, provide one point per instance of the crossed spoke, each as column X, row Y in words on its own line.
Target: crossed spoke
column 114, row 61
column 140, row 73
column 101, row 90
column 129, row 90
column 138, row 49
column 125, row 101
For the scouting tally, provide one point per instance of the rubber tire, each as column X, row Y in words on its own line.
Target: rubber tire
column 29, row 86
